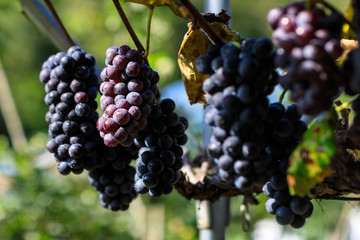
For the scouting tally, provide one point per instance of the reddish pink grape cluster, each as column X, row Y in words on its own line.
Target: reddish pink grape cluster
column 128, row 92
column 309, row 41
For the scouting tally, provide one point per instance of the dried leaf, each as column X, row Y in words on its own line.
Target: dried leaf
column 347, row 45
column 175, row 5
column 309, row 163
column 226, row 33
column 220, row 17
column 195, row 44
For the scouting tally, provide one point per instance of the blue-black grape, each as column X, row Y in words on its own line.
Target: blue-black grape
column 289, row 210
column 236, row 92
column 71, row 85
column 161, row 154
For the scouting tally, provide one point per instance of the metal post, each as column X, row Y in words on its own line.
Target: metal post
column 212, row 218
column 215, row 6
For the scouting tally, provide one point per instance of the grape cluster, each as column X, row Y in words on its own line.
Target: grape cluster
column 128, row 92
column 161, row 154
column 309, row 41
column 236, row 91
column 71, row 89
column 288, row 209
column 114, row 179
column 284, row 131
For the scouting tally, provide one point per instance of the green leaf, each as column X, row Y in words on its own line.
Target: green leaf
column 347, row 32
column 309, row 162
column 175, row 5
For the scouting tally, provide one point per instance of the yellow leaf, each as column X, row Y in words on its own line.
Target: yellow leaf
column 225, row 32
column 195, row 44
column 347, row 45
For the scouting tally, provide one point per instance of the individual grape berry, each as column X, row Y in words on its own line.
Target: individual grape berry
column 298, row 222
column 284, row 215
column 271, row 206
column 203, row 64
column 299, row 205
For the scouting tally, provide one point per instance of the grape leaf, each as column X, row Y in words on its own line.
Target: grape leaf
column 175, row 5
column 195, row 44
column 226, row 33
column 309, row 162
column 347, row 31
column 347, row 45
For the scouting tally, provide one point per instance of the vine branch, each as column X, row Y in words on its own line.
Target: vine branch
column 198, row 18
column 129, row 28
column 282, row 95
column 58, row 21
column 148, row 30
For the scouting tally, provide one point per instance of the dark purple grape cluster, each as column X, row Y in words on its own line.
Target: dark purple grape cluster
column 284, row 131
column 128, row 91
column 236, row 91
column 309, row 41
column 161, row 154
column 288, row 210
column 71, row 89
column 114, row 179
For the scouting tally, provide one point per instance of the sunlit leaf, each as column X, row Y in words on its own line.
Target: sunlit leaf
column 347, row 31
column 175, row 5
column 309, row 163
column 347, row 45
column 195, row 44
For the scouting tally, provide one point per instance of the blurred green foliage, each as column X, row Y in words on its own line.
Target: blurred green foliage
column 38, row 203
column 35, row 201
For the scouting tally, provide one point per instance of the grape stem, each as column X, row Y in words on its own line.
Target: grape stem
column 333, row 9
column 58, row 21
column 245, row 215
column 282, row 95
column 148, row 30
column 198, row 18
column 130, row 30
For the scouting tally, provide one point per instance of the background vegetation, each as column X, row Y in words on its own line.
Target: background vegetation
column 35, row 201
